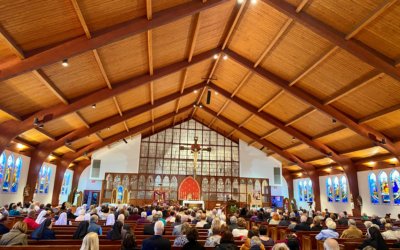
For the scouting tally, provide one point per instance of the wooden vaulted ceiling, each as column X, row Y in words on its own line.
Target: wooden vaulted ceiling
column 313, row 83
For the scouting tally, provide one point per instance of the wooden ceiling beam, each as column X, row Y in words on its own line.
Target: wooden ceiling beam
column 322, row 148
column 83, row 120
column 11, row 43
column 81, row 18
column 45, row 133
column 57, row 111
column 371, row 17
column 233, row 22
column 103, row 37
column 43, row 78
column 126, row 126
column 265, row 143
column 379, row 114
column 98, row 136
column 265, row 136
column 300, row 116
column 357, row 84
column 363, row 130
column 90, row 148
column 360, row 51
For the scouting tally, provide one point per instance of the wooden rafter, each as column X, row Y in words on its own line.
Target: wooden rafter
column 41, row 76
column 12, row 44
column 45, row 133
column 364, row 131
column 101, row 38
column 98, row 136
column 368, row 19
column 379, row 114
column 101, row 68
column 265, row 143
column 81, row 18
column 83, row 120
column 322, row 148
column 360, row 51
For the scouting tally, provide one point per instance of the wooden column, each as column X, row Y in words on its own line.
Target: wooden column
column 351, row 173
column 316, row 189
column 62, row 166
column 289, row 180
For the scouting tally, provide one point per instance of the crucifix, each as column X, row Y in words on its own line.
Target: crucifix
column 195, row 149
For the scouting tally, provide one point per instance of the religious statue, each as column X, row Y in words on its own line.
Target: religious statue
column 195, row 149
column 109, row 182
column 27, row 190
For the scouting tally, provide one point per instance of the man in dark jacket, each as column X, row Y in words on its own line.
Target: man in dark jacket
column 157, row 241
column 302, row 226
column 149, row 228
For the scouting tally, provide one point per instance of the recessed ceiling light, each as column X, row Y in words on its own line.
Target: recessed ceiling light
column 225, row 57
column 65, row 63
column 215, row 56
column 253, row 1
column 93, row 105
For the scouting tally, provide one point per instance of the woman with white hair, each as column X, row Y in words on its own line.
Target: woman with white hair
column 62, row 220
column 81, row 216
column 90, row 242
column 328, row 233
column 41, row 217
column 110, row 219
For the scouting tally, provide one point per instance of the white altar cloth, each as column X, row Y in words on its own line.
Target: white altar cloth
column 185, row 203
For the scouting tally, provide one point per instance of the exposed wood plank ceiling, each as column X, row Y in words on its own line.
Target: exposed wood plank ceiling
column 313, row 83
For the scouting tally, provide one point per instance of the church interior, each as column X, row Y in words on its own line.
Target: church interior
column 277, row 117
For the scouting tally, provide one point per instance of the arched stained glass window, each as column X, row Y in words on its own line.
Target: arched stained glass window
column 157, row 182
column 166, row 182
column 373, row 188
column 43, row 182
column 384, row 186
column 336, row 189
column 305, row 191
column 65, row 184
column 343, row 188
column 329, row 189
column 310, row 191
column 2, row 166
column 395, row 180
column 301, row 190
column 8, row 173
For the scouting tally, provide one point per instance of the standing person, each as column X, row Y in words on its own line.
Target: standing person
column 16, row 236
column 90, row 242
column 30, row 220
column 157, row 241
column 192, row 236
column 44, row 232
column 93, row 227
column 375, row 240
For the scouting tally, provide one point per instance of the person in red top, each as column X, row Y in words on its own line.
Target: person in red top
column 30, row 220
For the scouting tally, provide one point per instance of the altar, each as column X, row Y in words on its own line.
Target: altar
column 193, row 204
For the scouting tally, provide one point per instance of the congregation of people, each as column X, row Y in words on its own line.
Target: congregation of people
column 249, row 226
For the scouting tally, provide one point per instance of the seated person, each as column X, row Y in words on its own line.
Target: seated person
column 375, row 240
column 328, row 233
column 16, row 236
column 44, row 232
column 14, row 211
column 303, row 226
column 62, row 220
column 316, row 225
column 241, row 230
column 93, row 227
column 115, row 232
column 128, row 242
column 148, row 229
column 352, row 232
column 192, row 236
column 91, row 241
column 342, row 219
column 181, row 240
column 143, row 218
column 247, row 244
column 267, row 241
column 81, row 231
column 255, row 243
column 389, row 234
column 227, row 242
column 215, row 237
column 157, row 241
column 30, row 220
column 202, row 221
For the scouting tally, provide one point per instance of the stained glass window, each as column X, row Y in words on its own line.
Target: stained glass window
column 65, row 184
column 8, row 173
column 43, row 182
column 395, row 181
column 373, row 189
column 310, row 192
column 329, row 189
column 336, row 189
column 301, row 190
column 305, row 191
column 343, row 188
column 2, row 165
column 384, row 186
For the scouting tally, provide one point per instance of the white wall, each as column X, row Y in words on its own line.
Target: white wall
column 368, row 207
column 255, row 164
column 46, row 198
column 64, row 197
column 85, row 183
column 280, row 190
column 7, row 198
column 335, row 207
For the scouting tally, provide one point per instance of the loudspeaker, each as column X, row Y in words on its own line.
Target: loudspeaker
column 208, row 96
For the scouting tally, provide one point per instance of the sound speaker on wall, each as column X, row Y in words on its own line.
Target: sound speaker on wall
column 208, row 96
